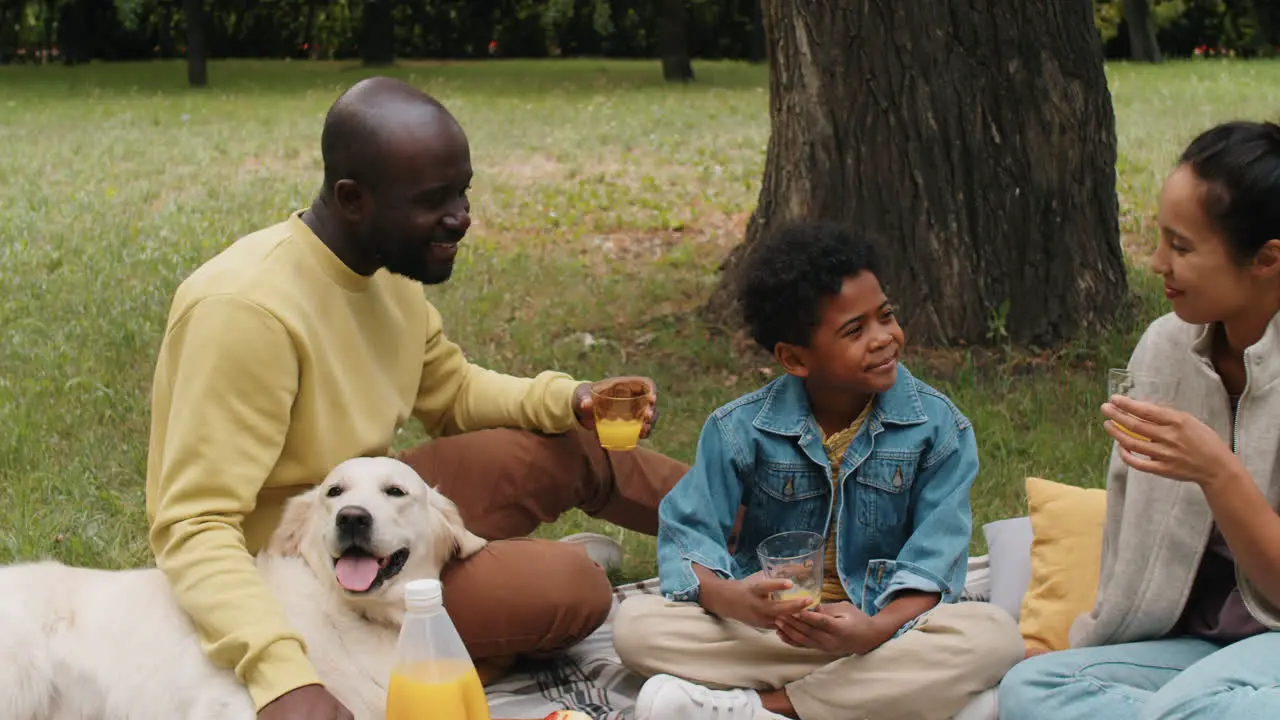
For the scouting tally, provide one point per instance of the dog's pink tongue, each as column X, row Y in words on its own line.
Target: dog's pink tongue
column 356, row 573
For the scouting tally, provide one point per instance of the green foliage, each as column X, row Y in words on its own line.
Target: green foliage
column 1242, row 26
column 1201, row 28
column 1107, row 15
column 558, row 18
column 134, row 14
column 331, row 29
column 602, row 21
column 556, row 15
column 604, row 202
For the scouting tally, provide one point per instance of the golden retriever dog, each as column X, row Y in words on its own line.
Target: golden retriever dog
column 114, row 644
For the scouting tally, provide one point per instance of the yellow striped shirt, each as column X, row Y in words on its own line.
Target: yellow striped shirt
column 836, row 445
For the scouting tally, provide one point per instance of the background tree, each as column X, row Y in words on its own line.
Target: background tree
column 756, row 49
column 673, row 43
column 75, row 36
column 378, row 36
column 197, row 43
column 40, row 31
column 977, row 136
column 1142, row 31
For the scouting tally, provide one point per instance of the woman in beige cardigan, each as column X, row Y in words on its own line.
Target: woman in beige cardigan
column 1189, row 594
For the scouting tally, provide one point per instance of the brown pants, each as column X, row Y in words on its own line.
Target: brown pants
column 521, row 595
column 930, row 672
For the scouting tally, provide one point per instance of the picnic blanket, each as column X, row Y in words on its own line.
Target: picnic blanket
column 589, row 678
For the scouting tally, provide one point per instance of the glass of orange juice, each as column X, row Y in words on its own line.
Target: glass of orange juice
column 619, row 407
column 1156, row 389
column 797, row 556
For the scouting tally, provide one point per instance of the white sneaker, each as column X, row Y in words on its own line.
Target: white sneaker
column 602, row 549
column 665, row 697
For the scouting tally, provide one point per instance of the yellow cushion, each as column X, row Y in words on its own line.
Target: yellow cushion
column 1066, row 555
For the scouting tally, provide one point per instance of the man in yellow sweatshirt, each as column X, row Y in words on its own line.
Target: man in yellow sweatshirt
column 310, row 342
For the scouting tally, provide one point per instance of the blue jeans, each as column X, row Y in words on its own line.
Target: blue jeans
column 1177, row 679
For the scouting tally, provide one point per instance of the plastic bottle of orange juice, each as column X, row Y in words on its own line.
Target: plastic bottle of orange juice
column 433, row 677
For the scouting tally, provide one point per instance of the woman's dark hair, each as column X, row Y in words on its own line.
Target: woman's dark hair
column 1240, row 163
column 788, row 272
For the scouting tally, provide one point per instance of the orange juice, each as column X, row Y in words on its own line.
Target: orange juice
column 797, row 592
column 436, row 690
column 1129, row 432
column 617, row 434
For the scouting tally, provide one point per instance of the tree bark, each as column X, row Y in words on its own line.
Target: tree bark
column 673, row 41
column 1143, row 46
column 975, row 136
column 378, row 45
column 197, row 43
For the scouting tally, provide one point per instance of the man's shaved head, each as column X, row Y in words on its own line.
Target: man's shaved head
column 364, row 122
column 397, row 167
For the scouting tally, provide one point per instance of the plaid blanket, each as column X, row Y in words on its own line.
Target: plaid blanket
column 589, row 678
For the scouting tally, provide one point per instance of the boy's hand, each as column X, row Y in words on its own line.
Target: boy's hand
column 836, row 628
column 748, row 601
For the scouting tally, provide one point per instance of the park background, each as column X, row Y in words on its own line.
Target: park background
column 621, row 149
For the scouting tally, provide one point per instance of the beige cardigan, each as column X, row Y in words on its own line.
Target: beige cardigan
column 1157, row 529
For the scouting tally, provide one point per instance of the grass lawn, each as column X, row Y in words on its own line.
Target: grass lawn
column 603, row 202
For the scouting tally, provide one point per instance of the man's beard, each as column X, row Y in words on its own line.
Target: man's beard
column 409, row 260
column 417, row 267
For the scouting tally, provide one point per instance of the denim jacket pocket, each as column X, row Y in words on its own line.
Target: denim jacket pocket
column 792, row 482
column 788, row 496
column 884, row 491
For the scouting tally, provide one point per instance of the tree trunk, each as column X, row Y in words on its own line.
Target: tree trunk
column 5, row 56
column 197, row 45
column 309, row 30
column 975, row 136
column 1143, row 46
column 424, row 26
column 757, row 50
column 378, row 45
column 164, row 29
column 673, row 42
column 48, row 9
column 74, row 37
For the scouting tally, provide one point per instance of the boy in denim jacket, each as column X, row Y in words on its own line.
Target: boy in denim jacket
column 847, row 444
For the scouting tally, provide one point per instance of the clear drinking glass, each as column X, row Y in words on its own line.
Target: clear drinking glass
column 619, row 408
column 1155, row 389
column 797, row 556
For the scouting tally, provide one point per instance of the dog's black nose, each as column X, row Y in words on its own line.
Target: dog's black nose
column 353, row 519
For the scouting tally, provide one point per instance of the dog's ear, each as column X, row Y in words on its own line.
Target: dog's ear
column 462, row 541
column 468, row 543
column 294, row 525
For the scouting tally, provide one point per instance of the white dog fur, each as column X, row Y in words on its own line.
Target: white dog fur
column 80, row 643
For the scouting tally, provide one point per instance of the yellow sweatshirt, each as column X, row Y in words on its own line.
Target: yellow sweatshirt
column 277, row 363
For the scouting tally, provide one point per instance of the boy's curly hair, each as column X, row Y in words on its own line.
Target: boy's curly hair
column 789, row 271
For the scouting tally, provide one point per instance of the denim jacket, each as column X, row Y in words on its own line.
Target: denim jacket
column 903, row 516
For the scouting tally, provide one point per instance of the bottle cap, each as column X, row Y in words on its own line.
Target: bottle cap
column 423, row 594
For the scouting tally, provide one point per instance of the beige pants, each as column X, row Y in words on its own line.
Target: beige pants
column 930, row 672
